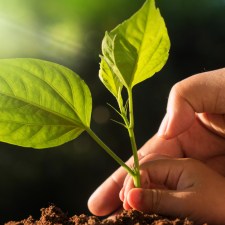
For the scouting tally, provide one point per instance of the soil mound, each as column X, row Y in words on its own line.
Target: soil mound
column 54, row 216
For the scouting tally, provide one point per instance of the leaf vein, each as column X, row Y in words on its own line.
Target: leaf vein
column 43, row 108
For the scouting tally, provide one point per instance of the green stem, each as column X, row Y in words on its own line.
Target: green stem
column 136, row 177
column 110, row 152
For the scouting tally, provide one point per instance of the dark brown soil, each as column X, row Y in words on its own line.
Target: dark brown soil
column 54, row 216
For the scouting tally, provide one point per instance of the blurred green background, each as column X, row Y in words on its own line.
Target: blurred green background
column 69, row 32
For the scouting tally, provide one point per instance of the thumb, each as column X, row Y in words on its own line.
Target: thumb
column 201, row 93
column 159, row 201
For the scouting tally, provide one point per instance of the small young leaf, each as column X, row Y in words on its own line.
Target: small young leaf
column 138, row 48
column 42, row 104
column 109, row 79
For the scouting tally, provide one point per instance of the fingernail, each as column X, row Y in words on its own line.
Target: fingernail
column 121, row 195
column 124, row 203
column 163, row 126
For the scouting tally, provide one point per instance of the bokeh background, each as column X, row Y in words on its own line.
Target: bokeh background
column 69, row 32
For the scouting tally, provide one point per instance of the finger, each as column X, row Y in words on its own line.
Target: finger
column 127, row 187
column 160, row 201
column 129, row 184
column 173, row 173
column 153, row 156
column 196, row 94
column 122, row 191
column 121, row 194
column 106, row 197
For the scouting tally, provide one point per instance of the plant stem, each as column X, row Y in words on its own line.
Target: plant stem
column 110, row 152
column 136, row 177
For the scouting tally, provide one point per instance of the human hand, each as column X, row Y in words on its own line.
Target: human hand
column 195, row 118
column 179, row 188
column 193, row 127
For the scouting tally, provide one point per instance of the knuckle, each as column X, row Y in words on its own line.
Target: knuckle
column 177, row 89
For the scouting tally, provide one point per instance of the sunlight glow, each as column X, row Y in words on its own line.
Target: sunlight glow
column 60, row 38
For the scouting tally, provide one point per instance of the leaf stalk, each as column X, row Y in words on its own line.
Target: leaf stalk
column 110, row 152
column 136, row 177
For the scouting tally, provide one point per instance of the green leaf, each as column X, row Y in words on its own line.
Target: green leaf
column 111, row 82
column 138, row 48
column 42, row 104
column 109, row 79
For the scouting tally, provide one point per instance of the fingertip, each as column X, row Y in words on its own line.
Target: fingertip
column 175, row 123
column 93, row 208
column 134, row 198
column 105, row 199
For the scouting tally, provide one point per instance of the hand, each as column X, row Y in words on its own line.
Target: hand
column 193, row 127
column 180, row 188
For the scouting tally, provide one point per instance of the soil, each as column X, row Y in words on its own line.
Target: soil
column 54, row 216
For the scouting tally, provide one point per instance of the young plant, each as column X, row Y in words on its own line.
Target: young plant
column 43, row 104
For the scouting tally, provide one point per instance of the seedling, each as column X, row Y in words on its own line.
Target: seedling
column 43, row 104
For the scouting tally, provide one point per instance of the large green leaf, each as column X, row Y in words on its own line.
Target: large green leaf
column 138, row 48
column 42, row 104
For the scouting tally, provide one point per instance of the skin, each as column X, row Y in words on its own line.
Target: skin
column 193, row 127
column 184, row 187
